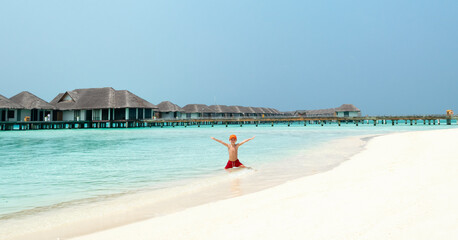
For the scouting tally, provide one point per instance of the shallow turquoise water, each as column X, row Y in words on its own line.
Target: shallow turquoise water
column 48, row 167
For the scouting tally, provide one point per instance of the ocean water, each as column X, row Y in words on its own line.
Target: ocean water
column 50, row 172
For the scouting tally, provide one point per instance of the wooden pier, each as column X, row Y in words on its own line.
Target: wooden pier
column 38, row 125
column 393, row 120
column 375, row 120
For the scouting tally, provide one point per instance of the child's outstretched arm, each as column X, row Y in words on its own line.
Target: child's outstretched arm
column 225, row 144
column 244, row 141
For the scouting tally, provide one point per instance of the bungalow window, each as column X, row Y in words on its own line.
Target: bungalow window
column 104, row 114
column 10, row 114
column 89, row 115
column 77, row 115
column 120, row 114
column 140, row 113
column 147, row 113
column 132, row 113
column 35, row 115
column 96, row 114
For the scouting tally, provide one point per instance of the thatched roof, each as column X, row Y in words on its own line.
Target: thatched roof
column 328, row 111
column 99, row 98
column 290, row 113
column 275, row 111
column 267, row 110
column 258, row 110
column 219, row 108
column 347, row 107
column 245, row 109
column 126, row 99
column 167, row 106
column 6, row 103
column 242, row 109
column 251, row 110
column 197, row 108
column 30, row 101
column 234, row 109
column 319, row 112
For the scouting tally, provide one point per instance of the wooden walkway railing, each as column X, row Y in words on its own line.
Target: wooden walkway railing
column 393, row 120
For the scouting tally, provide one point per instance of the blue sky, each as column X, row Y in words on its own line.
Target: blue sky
column 386, row 57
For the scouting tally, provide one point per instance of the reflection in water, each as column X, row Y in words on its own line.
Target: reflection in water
column 235, row 187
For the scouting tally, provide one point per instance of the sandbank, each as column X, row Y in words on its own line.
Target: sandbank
column 401, row 186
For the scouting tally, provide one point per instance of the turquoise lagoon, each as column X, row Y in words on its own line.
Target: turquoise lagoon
column 45, row 170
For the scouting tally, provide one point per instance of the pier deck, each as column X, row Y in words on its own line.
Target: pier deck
column 393, row 120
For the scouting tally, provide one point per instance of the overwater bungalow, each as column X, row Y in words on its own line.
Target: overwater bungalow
column 329, row 112
column 235, row 112
column 259, row 111
column 197, row 111
column 246, row 111
column 9, row 110
column 101, row 104
column 169, row 110
column 35, row 108
column 346, row 110
column 219, row 111
column 276, row 112
column 241, row 111
column 252, row 112
column 268, row 112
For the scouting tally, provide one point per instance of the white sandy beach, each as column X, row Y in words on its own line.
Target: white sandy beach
column 402, row 186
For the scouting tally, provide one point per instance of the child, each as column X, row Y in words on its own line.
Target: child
column 233, row 149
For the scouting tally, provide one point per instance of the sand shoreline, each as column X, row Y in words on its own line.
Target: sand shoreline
column 401, row 186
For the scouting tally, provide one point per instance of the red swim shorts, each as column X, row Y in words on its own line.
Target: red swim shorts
column 231, row 164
